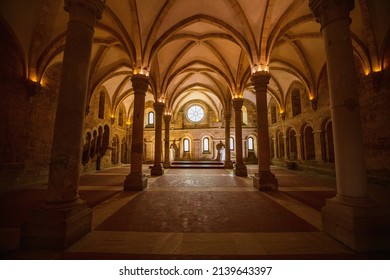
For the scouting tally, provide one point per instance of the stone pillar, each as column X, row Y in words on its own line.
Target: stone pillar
column 318, row 145
column 275, row 148
column 299, row 146
column 239, row 168
column 264, row 179
column 228, row 161
column 157, row 168
column 136, row 180
column 285, row 147
column 64, row 218
column 167, row 121
column 351, row 216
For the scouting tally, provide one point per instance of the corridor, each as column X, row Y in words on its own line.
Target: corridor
column 190, row 214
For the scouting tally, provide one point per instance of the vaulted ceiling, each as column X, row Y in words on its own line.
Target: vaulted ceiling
column 191, row 50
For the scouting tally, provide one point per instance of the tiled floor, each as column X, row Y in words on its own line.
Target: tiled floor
column 202, row 213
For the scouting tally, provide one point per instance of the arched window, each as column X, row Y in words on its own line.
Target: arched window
column 206, row 143
column 251, row 146
column 151, row 118
column 244, row 115
column 186, row 145
column 102, row 101
column 296, row 101
column 231, row 143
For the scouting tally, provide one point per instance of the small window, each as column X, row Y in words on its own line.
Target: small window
column 151, row 118
column 250, row 144
column 231, row 143
column 206, row 143
column 186, row 145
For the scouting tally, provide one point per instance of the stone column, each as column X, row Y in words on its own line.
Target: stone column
column 167, row 121
column 298, row 137
column 228, row 161
column 285, row 148
column 351, row 216
column 318, row 145
column 239, row 168
column 64, row 218
column 275, row 148
column 157, row 168
column 136, row 180
column 264, row 179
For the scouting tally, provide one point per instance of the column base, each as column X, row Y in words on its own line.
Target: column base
column 167, row 164
column 228, row 164
column 135, row 182
column 362, row 228
column 157, row 170
column 56, row 228
column 265, row 181
column 240, row 170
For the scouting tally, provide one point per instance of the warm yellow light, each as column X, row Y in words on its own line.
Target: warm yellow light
column 376, row 69
column 260, row 68
column 112, row 116
column 281, row 111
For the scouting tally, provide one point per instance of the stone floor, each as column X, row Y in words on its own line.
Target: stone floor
column 193, row 214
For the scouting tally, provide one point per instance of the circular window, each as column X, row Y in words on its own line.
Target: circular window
column 195, row 113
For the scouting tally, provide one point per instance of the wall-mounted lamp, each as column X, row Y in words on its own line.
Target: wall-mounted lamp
column 112, row 118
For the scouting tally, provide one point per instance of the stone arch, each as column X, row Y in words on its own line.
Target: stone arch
column 327, row 140
column 124, row 151
column 279, row 144
column 308, row 146
column 292, row 147
column 115, row 150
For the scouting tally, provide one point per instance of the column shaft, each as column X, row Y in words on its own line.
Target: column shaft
column 240, row 168
column 136, row 180
column 351, row 217
column 228, row 161
column 157, row 169
column 264, row 179
column 64, row 218
column 167, row 121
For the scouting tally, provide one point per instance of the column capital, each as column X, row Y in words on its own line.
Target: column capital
column 260, row 80
column 85, row 10
column 140, row 83
column 237, row 103
column 327, row 11
column 159, row 107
